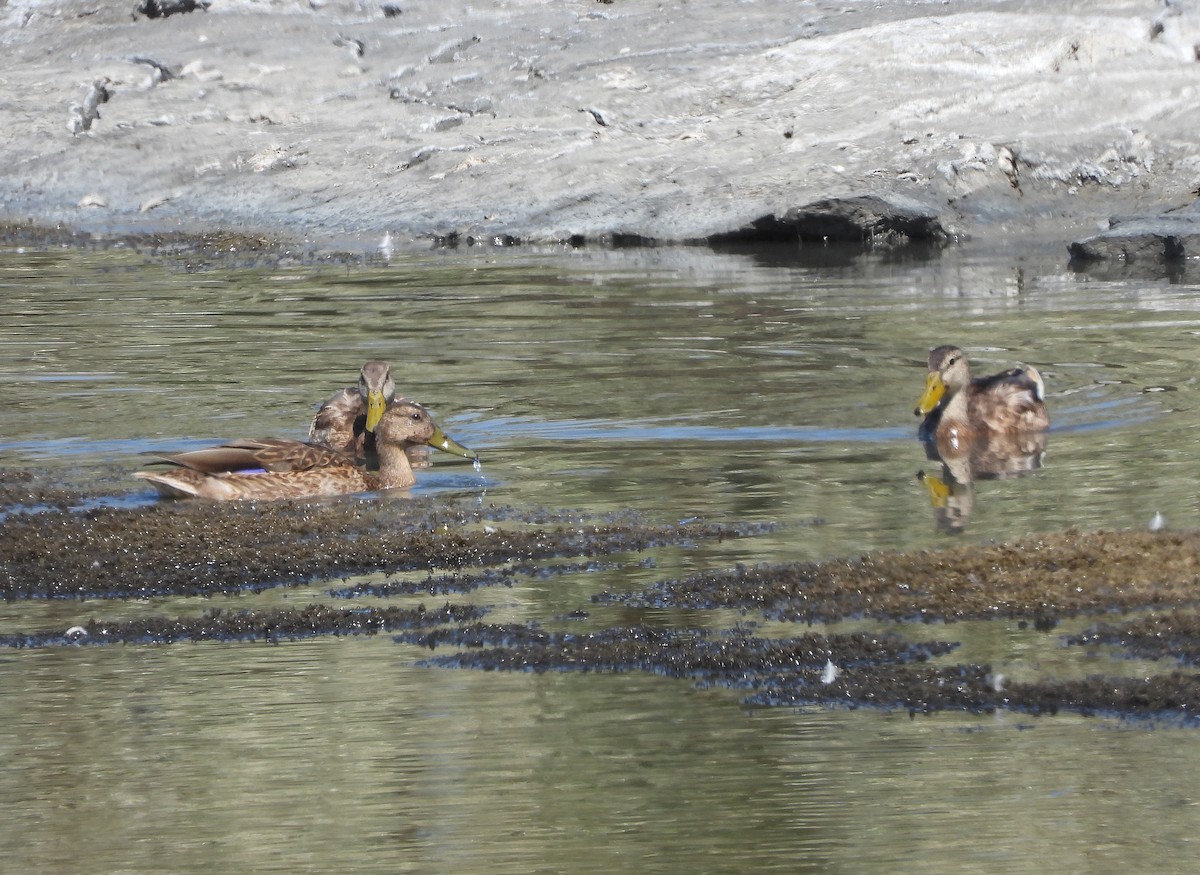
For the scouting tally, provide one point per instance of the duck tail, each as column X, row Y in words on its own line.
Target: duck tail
column 1039, row 386
column 168, row 484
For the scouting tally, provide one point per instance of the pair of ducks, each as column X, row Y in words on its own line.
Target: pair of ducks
column 362, row 439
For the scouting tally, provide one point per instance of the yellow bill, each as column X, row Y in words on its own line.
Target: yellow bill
column 444, row 442
column 934, row 390
column 375, row 407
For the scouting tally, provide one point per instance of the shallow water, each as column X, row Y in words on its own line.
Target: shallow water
column 679, row 383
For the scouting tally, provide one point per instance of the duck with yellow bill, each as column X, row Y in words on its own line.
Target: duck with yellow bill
column 347, row 419
column 958, row 408
column 277, row 468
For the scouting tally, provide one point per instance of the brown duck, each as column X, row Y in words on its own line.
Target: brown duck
column 958, row 409
column 347, row 419
column 349, row 413
column 276, row 468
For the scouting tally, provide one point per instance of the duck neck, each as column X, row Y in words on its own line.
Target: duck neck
column 955, row 407
column 394, row 470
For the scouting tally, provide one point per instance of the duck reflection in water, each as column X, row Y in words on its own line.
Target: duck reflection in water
column 984, row 428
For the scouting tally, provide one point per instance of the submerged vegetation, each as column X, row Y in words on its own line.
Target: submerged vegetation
column 57, row 546
column 1039, row 580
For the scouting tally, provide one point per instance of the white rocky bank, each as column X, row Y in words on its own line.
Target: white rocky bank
column 581, row 120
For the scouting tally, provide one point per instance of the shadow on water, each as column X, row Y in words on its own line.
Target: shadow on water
column 811, row 255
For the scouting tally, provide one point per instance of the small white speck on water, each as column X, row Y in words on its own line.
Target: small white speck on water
column 829, row 675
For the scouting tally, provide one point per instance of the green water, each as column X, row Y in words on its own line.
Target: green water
column 679, row 383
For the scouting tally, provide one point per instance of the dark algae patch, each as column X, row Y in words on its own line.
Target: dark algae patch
column 849, row 670
column 248, row 625
column 694, row 653
column 443, row 584
column 1039, row 580
column 201, row 548
column 926, row 689
column 1171, row 635
column 63, row 544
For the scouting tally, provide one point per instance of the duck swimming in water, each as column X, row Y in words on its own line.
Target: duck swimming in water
column 277, row 468
column 957, row 408
column 348, row 414
column 347, row 419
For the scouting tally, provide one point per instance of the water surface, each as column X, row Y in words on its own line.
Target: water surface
column 677, row 383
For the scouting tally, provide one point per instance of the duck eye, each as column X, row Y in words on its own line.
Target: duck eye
column 416, row 416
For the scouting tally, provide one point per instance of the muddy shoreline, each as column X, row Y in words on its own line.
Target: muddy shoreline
column 361, row 125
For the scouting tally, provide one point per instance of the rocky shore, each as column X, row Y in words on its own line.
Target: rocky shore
column 585, row 121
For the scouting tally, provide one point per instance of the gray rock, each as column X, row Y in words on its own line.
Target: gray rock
column 877, row 219
column 1155, row 239
column 868, row 220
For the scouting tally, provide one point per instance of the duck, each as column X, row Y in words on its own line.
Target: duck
column 268, row 469
column 348, row 414
column 347, row 419
column 959, row 410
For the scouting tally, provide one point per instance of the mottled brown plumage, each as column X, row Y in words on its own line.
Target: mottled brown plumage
column 979, row 429
column 958, row 409
column 346, row 420
column 274, row 468
column 343, row 419
column 274, row 455
column 340, row 421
